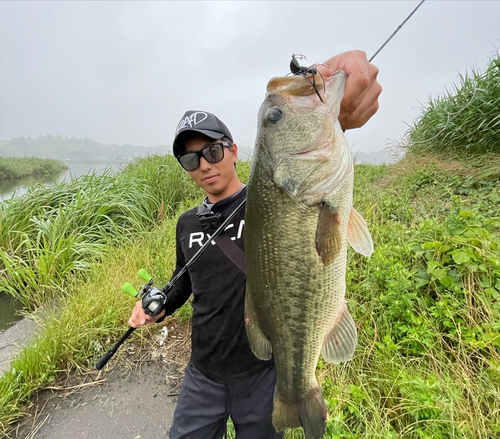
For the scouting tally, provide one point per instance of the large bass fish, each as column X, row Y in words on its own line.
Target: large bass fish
column 299, row 219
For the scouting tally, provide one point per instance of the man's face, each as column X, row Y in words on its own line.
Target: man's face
column 214, row 178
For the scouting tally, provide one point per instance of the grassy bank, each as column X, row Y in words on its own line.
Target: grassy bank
column 427, row 306
column 19, row 167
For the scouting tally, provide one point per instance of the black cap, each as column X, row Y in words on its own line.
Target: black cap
column 201, row 122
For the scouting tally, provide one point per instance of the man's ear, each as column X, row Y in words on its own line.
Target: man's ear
column 234, row 150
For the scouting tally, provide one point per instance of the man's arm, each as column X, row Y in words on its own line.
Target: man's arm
column 362, row 90
column 177, row 296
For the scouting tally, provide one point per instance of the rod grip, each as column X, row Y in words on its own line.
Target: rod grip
column 108, row 355
column 104, row 360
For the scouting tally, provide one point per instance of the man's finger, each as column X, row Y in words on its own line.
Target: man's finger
column 359, row 121
column 364, row 109
column 357, row 83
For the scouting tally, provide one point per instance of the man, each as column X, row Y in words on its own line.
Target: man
column 223, row 377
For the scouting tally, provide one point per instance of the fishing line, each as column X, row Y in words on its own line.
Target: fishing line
column 396, row 31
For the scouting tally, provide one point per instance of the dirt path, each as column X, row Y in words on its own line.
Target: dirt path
column 133, row 400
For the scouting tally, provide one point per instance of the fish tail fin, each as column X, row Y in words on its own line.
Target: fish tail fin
column 309, row 413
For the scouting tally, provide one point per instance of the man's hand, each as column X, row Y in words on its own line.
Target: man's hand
column 362, row 90
column 139, row 317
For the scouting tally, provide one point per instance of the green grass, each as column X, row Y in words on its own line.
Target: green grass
column 19, row 167
column 53, row 232
column 466, row 120
column 427, row 306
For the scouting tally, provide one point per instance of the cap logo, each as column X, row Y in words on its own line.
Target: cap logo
column 192, row 119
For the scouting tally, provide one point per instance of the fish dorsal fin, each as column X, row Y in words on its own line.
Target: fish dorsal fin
column 358, row 234
column 341, row 341
column 328, row 237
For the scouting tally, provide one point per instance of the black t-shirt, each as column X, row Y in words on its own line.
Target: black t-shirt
column 220, row 348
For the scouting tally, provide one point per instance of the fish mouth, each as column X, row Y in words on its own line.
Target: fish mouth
column 303, row 93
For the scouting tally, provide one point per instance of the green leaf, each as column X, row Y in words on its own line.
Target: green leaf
column 460, row 257
column 439, row 273
column 431, row 266
column 444, row 248
column 457, row 230
column 447, row 281
column 484, row 282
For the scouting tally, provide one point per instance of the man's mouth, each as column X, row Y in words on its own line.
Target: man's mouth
column 209, row 179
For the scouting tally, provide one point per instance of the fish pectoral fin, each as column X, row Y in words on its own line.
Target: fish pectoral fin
column 358, row 234
column 328, row 237
column 341, row 341
column 259, row 343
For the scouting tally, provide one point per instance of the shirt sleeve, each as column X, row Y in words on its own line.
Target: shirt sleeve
column 181, row 292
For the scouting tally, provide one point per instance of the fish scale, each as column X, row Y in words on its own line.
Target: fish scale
column 299, row 219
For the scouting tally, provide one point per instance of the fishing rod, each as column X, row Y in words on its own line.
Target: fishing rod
column 154, row 300
column 297, row 69
column 395, row 32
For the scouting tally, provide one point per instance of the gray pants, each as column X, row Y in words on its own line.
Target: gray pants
column 204, row 406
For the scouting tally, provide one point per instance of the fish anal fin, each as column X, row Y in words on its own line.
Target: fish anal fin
column 328, row 236
column 340, row 343
column 259, row 343
column 358, row 234
column 309, row 413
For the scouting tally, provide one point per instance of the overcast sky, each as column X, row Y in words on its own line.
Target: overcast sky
column 125, row 72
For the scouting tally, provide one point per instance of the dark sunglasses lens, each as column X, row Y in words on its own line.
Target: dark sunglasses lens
column 213, row 153
column 189, row 161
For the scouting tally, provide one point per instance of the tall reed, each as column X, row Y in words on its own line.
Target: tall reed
column 55, row 231
column 465, row 120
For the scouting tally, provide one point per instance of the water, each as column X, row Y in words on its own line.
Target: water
column 8, row 305
column 8, row 311
column 19, row 187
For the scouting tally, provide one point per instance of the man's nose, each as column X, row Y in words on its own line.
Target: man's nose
column 204, row 164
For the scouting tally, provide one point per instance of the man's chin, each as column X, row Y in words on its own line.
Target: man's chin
column 211, row 190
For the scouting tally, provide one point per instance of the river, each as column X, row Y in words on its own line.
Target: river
column 9, row 308
column 19, row 187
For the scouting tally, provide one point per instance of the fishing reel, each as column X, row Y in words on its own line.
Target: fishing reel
column 153, row 299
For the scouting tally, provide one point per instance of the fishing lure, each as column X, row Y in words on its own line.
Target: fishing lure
column 297, row 69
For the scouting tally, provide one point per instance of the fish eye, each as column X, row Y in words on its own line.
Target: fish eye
column 274, row 115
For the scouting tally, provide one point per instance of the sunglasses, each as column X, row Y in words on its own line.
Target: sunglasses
column 212, row 153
